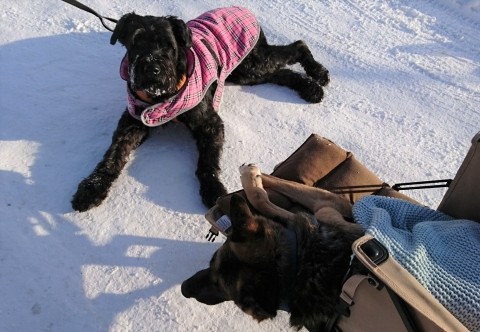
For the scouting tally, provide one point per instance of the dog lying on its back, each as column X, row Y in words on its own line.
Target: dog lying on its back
column 176, row 70
column 281, row 260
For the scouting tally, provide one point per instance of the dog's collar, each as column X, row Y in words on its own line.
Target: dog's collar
column 145, row 98
column 289, row 272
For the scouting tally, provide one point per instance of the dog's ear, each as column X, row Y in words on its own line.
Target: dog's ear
column 182, row 33
column 244, row 223
column 121, row 29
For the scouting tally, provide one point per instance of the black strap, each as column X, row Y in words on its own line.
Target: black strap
column 289, row 271
column 91, row 11
column 368, row 188
column 398, row 186
column 422, row 184
column 403, row 311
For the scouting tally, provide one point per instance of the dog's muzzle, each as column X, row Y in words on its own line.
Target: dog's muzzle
column 152, row 74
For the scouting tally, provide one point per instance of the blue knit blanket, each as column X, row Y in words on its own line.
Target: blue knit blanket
column 442, row 253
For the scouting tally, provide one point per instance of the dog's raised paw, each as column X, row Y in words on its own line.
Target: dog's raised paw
column 251, row 170
column 250, row 176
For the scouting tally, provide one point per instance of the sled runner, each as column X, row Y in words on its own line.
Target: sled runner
column 379, row 293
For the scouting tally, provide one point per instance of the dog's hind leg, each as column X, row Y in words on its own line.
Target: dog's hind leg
column 266, row 64
column 266, row 59
column 312, row 198
column 307, row 88
column 327, row 207
column 130, row 133
column 297, row 52
column 251, row 178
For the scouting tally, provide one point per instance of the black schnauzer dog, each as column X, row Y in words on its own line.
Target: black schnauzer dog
column 176, row 71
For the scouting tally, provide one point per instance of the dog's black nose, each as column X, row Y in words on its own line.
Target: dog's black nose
column 153, row 69
column 185, row 290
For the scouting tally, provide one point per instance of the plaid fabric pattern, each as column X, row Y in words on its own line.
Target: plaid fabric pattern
column 221, row 39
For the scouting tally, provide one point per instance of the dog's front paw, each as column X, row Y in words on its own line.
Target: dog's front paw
column 311, row 91
column 91, row 192
column 211, row 190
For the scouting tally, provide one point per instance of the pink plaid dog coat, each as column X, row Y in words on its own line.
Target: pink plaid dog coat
column 221, row 39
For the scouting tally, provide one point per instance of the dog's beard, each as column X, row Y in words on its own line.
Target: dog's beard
column 157, row 86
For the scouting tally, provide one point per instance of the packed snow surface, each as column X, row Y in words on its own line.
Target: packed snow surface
column 404, row 97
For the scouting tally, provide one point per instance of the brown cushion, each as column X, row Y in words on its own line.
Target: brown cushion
column 313, row 160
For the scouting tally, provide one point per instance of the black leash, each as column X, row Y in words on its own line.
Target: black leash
column 91, row 11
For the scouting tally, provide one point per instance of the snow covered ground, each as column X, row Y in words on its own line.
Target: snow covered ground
column 404, row 97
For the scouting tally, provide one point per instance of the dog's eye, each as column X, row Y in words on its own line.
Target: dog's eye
column 167, row 45
column 137, row 37
column 136, row 41
column 169, row 48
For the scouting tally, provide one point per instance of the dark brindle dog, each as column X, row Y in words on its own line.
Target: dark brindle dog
column 280, row 260
column 176, row 70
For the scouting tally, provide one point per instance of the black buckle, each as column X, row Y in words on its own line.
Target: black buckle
column 342, row 308
column 375, row 251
